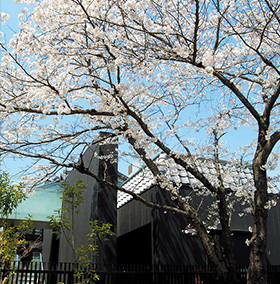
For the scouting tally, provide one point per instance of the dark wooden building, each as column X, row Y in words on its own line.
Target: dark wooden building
column 100, row 202
column 149, row 236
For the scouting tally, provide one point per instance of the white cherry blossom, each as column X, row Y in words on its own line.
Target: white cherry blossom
column 174, row 77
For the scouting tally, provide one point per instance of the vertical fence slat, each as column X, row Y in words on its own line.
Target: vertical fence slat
column 50, row 273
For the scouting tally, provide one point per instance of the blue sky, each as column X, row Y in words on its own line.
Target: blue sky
column 13, row 9
column 11, row 26
column 14, row 166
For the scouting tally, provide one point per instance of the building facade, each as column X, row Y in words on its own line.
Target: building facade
column 43, row 202
column 151, row 236
column 143, row 235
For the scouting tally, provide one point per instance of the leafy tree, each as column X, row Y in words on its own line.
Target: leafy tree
column 99, row 232
column 62, row 222
column 11, row 237
column 155, row 74
column 10, row 194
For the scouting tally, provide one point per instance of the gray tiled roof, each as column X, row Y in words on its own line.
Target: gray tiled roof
column 234, row 176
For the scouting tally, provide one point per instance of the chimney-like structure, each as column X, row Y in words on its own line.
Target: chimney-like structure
column 132, row 169
column 100, row 202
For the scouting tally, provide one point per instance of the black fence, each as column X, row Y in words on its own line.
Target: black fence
column 69, row 273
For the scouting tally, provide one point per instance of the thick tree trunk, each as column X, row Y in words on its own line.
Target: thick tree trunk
column 257, row 272
column 223, row 272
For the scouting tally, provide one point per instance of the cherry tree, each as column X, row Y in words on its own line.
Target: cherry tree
column 155, row 75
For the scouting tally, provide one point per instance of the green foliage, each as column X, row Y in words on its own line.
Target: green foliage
column 10, row 194
column 11, row 238
column 99, row 231
column 72, row 198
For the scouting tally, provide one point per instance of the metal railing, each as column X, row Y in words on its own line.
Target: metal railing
column 70, row 273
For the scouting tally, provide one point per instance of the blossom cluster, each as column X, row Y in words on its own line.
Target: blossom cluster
column 161, row 76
